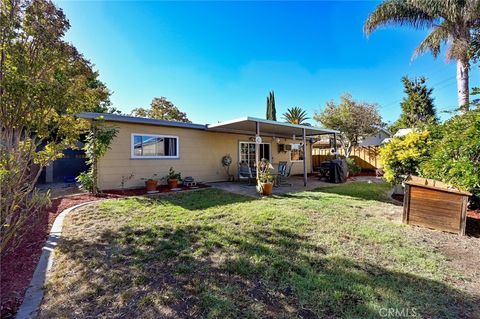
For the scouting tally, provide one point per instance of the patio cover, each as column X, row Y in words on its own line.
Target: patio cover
column 261, row 127
column 248, row 125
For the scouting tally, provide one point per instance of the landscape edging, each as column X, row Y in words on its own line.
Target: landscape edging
column 34, row 294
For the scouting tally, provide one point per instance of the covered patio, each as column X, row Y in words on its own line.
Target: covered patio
column 297, row 186
column 249, row 190
column 260, row 128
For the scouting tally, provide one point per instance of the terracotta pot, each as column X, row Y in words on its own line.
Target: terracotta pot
column 267, row 188
column 151, row 185
column 172, row 183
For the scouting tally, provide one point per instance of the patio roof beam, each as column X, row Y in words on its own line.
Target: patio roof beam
column 304, row 157
column 257, row 146
column 245, row 132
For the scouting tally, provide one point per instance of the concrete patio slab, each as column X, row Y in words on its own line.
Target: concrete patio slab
column 296, row 181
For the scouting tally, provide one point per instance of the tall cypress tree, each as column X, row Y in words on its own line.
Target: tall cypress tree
column 417, row 107
column 271, row 111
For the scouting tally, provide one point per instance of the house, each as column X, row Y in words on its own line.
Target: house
column 375, row 139
column 144, row 147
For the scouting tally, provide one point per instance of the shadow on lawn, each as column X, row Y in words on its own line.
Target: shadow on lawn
column 204, row 271
column 200, row 199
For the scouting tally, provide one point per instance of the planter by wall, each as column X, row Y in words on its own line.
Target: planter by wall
column 151, row 185
column 172, row 183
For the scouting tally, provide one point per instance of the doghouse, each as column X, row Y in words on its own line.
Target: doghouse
column 433, row 204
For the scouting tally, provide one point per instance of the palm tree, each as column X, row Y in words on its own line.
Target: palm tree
column 450, row 21
column 295, row 115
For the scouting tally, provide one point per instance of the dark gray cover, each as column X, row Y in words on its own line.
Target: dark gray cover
column 338, row 171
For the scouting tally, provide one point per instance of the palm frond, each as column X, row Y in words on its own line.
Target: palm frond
column 472, row 12
column 433, row 41
column 398, row 12
column 447, row 9
column 295, row 115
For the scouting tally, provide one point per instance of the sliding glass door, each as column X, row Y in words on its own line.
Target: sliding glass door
column 247, row 152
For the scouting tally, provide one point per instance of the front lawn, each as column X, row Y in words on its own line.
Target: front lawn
column 327, row 253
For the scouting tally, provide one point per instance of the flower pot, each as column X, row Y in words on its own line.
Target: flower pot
column 151, row 185
column 172, row 183
column 266, row 188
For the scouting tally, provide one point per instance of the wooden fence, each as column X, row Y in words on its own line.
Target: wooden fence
column 366, row 157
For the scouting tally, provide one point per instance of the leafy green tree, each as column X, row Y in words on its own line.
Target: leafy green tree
column 417, row 106
column 162, row 109
column 295, row 115
column 105, row 105
column 355, row 120
column 44, row 82
column 402, row 156
column 449, row 22
column 271, row 111
column 475, row 102
column 455, row 154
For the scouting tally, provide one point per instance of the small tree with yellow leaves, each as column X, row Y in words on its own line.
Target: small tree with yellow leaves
column 402, row 156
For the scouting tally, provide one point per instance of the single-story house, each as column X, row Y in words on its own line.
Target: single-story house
column 376, row 139
column 144, row 147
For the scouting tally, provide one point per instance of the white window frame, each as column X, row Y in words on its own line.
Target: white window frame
column 132, row 149
column 250, row 142
column 301, row 148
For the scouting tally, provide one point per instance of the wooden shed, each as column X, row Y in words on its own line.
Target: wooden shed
column 433, row 204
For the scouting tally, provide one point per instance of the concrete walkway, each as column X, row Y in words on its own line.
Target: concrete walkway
column 243, row 188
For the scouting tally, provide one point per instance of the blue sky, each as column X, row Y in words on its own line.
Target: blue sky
column 218, row 60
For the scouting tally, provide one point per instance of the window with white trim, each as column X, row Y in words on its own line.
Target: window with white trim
column 154, row 146
column 296, row 154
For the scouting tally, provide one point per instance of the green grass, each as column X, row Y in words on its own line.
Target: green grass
column 326, row 253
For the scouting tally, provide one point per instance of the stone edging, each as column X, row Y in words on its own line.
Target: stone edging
column 34, row 295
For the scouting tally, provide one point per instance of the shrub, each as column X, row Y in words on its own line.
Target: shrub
column 403, row 155
column 353, row 168
column 86, row 181
column 98, row 143
column 455, row 154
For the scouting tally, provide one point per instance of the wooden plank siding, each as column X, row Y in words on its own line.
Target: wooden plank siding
column 435, row 207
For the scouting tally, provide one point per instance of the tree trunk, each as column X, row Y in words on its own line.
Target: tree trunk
column 462, row 85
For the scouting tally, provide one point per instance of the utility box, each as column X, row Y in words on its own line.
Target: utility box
column 433, row 204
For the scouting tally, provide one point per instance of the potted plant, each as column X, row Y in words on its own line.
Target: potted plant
column 265, row 177
column 172, row 178
column 151, row 183
column 226, row 162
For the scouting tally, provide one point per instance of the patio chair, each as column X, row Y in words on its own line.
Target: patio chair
column 245, row 172
column 284, row 172
column 282, row 167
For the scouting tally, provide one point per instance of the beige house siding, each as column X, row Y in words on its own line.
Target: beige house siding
column 200, row 154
